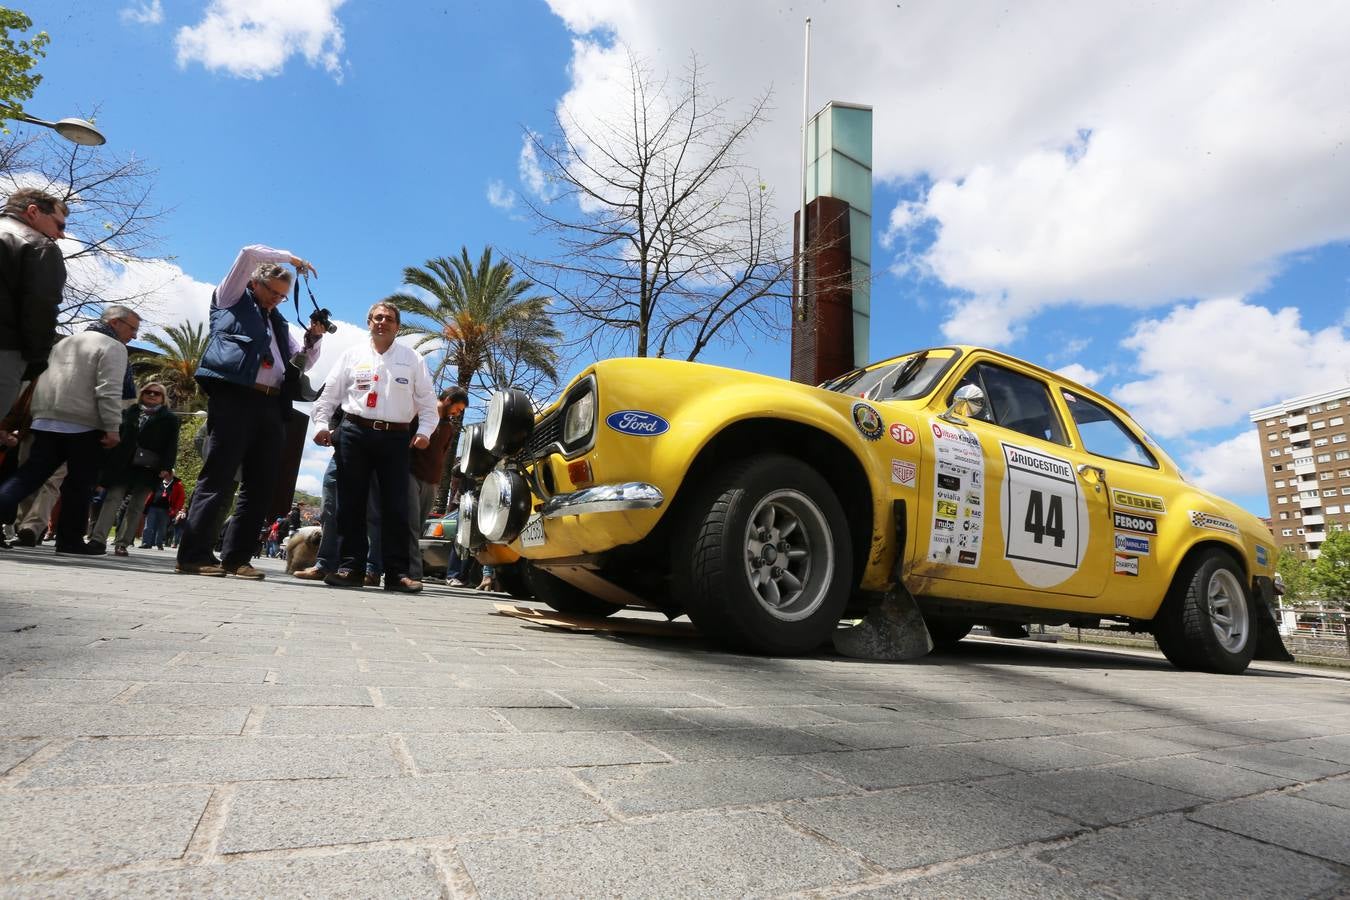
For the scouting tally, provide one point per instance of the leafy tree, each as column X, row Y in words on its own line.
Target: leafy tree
column 489, row 330
column 668, row 241
column 189, row 464
column 1299, row 587
column 1331, row 572
column 17, row 59
column 179, row 354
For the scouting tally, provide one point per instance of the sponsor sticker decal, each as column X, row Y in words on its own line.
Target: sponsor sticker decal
column 958, row 476
column 903, row 472
column 1131, row 522
column 1209, row 520
column 1262, row 558
column 1127, row 565
column 944, row 525
column 637, row 422
column 1045, row 521
column 902, row 434
column 966, row 558
column 1143, row 502
column 947, row 509
column 1130, row 543
column 949, row 482
column 401, row 380
column 867, row 420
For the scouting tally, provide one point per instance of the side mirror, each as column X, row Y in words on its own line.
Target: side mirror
column 967, row 401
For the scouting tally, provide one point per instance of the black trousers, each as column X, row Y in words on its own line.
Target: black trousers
column 245, row 431
column 82, row 453
column 361, row 452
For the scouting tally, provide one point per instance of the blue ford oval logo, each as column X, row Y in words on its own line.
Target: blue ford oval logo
column 637, row 422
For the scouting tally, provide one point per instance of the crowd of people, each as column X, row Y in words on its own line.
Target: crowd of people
column 86, row 447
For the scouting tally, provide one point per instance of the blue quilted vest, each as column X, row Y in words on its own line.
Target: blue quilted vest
column 234, row 352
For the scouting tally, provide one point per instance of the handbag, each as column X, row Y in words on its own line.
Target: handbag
column 145, row 459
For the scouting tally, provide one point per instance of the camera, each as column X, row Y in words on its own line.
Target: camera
column 323, row 317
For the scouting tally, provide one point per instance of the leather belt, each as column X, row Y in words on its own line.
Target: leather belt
column 267, row 389
column 376, row 424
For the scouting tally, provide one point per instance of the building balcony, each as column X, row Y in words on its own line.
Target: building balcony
column 1314, row 552
column 1304, row 468
column 1314, row 538
column 1309, row 502
column 1313, row 519
column 1295, row 422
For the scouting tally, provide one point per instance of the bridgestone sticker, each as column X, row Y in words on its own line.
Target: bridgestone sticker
column 1208, row 520
column 1131, row 522
column 958, row 497
column 1045, row 521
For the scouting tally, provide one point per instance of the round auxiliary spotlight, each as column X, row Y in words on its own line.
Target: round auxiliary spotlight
column 474, row 459
column 510, row 419
column 504, row 506
column 467, row 535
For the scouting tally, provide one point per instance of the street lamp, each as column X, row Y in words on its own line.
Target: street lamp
column 75, row 130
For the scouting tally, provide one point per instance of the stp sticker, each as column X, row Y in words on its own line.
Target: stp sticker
column 903, row 472
column 867, row 420
column 1127, row 565
column 902, row 434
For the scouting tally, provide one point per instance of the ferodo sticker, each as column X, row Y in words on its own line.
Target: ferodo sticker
column 958, row 497
column 1045, row 520
column 1209, row 520
column 903, row 473
column 1131, row 522
column 902, row 434
column 1127, row 565
column 1142, row 502
column 1130, row 543
column 867, row 420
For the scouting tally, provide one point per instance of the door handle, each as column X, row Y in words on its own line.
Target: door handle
column 1093, row 475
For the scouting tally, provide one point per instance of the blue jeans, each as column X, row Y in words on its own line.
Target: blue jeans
column 362, row 453
column 328, row 518
column 82, row 454
column 156, row 524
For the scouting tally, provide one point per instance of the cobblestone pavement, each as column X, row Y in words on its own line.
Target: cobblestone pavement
column 162, row 734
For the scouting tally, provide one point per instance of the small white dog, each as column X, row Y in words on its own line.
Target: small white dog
column 302, row 548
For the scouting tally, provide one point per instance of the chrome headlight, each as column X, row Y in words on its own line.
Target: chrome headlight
column 504, row 506
column 580, row 419
column 464, row 533
column 474, row 459
column 510, row 419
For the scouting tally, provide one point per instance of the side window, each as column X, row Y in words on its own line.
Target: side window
column 1104, row 434
column 1016, row 402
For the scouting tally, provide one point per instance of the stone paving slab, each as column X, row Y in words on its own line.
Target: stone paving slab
column 91, row 720
column 645, row 789
column 472, row 752
column 1286, row 820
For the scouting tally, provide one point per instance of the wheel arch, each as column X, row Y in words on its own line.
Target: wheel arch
column 1200, row 547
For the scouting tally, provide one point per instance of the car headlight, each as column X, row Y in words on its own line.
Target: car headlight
column 510, row 419
column 464, row 532
column 580, row 419
column 504, row 506
column 474, row 459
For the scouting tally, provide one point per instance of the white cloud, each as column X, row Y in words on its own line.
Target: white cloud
column 500, row 196
column 147, row 12
column 1208, row 364
column 1103, row 153
column 531, row 172
column 1228, row 468
column 255, row 38
column 1080, row 373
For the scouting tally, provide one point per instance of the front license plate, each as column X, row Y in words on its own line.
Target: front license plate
column 533, row 535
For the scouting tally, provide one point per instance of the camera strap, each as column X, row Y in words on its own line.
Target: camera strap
column 296, row 296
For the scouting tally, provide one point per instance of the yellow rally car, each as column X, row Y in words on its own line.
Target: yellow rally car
column 994, row 491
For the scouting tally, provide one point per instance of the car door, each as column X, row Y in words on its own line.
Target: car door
column 1011, row 506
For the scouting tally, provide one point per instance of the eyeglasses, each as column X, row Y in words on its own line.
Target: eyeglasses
column 60, row 223
column 152, row 393
column 276, row 294
column 135, row 328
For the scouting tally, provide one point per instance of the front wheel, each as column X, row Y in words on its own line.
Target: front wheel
column 1207, row 622
column 764, row 559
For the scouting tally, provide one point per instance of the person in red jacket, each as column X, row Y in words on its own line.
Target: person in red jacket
column 161, row 508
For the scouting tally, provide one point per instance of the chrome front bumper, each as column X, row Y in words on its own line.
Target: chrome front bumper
column 603, row 498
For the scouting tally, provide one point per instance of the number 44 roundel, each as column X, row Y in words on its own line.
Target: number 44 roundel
column 1044, row 519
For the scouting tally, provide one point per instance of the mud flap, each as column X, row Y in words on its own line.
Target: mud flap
column 893, row 629
column 1269, row 644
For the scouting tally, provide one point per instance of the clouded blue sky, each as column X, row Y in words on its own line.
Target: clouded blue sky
column 1154, row 200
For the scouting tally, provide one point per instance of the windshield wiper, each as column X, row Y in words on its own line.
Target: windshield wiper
column 843, row 382
column 908, row 371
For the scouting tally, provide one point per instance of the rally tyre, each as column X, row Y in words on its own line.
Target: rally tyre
column 764, row 560
column 947, row 633
column 512, row 579
column 563, row 597
column 1211, row 624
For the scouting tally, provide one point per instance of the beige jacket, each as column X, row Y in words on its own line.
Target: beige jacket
column 83, row 383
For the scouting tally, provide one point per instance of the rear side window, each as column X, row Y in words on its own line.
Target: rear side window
column 1105, row 435
column 1016, row 402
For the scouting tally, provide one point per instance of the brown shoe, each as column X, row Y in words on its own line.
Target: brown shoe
column 206, row 569
column 372, row 580
column 119, row 551
column 403, row 585
column 345, row 578
column 313, row 573
column 244, row 570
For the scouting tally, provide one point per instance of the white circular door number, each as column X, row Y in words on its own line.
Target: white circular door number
column 1044, row 516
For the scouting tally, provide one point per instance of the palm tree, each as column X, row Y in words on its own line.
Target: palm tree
column 493, row 332
column 176, row 361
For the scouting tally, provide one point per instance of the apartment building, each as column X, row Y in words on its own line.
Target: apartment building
column 1305, row 448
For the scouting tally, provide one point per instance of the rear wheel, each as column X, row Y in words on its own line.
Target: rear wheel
column 565, row 598
column 764, row 559
column 1207, row 622
column 946, row 633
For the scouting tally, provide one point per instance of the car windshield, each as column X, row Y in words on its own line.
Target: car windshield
column 903, row 378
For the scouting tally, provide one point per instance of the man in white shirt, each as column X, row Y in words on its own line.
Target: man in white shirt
column 381, row 387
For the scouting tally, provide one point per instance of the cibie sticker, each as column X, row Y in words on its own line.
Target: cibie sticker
column 1127, row 565
column 637, row 422
column 1131, row 543
column 867, row 420
column 1044, row 515
column 1209, row 520
column 1131, row 522
column 1262, row 557
column 902, row 434
column 1142, row 502
column 903, row 472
